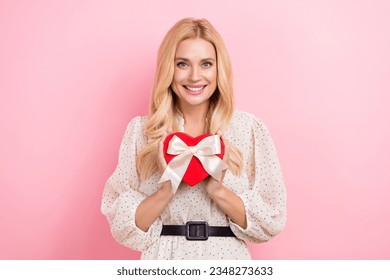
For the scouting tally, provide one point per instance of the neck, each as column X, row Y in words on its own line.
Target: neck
column 195, row 114
column 195, row 119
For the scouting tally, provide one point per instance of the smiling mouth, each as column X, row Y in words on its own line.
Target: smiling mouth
column 197, row 89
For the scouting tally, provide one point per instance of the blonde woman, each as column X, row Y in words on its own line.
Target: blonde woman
column 246, row 202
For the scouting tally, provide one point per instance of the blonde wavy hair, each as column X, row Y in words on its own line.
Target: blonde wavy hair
column 164, row 106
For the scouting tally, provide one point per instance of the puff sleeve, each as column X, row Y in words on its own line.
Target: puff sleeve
column 121, row 195
column 265, row 198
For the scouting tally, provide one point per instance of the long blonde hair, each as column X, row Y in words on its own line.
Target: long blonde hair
column 164, row 106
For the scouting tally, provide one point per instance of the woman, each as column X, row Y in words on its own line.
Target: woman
column 193, row 93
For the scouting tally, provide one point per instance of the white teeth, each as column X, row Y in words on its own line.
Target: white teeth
column 194, row 89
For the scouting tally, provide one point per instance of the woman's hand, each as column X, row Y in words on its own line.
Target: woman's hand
column 213, row 185
column 166, row 187
column 152, row 206
column 227, row 200
column 161, row 163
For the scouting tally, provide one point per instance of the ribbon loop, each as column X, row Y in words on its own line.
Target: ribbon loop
column 206, row 151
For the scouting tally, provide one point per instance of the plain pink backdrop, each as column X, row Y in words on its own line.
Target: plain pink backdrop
column 73, row 74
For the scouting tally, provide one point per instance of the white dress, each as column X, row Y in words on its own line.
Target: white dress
column 260, row 186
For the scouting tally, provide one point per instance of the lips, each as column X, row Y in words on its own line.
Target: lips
column 194, row 89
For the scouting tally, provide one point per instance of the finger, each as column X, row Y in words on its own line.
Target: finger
column 223, row 173
column 161, row 160
column 227, row 147
column 160, row 147
column 163, row 136
column 161, row 142
column 162, row 163
column 220, row 134
column 226, row 155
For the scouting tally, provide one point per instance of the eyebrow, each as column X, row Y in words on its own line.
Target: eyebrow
column 186, row 59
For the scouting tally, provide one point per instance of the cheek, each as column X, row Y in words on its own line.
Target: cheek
column 179, row 76
column 176, row 82
column 212, row 77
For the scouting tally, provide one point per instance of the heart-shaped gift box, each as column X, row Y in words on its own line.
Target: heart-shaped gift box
column 195, row 172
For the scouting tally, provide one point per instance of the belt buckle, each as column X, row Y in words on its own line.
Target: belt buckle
column 197, row 230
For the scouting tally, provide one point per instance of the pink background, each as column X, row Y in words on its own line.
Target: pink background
column 73, row 73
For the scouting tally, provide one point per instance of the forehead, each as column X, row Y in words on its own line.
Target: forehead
column 195, row 49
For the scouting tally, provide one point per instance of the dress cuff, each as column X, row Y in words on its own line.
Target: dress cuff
column 138, row 239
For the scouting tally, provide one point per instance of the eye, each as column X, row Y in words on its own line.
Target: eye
column 207, row 64
column 182, row 64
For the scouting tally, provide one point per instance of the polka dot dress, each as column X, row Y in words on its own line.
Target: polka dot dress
column 260, row 186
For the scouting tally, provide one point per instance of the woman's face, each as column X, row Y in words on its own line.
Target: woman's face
column 195, row 76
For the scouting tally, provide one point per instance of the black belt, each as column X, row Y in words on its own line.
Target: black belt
column 197, row 230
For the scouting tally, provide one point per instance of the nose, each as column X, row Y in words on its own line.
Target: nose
column 195, row 74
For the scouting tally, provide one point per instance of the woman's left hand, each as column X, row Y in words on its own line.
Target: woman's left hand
column 226, row 199
column 213, row 185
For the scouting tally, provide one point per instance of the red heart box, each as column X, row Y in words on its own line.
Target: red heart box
column 195, row 172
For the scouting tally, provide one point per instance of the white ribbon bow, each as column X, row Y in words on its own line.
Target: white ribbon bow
column 205, row 151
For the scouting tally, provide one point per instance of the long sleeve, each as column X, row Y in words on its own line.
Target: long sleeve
column 265, row 198
column 121, row 195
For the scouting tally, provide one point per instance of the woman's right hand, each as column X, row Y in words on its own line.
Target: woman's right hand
column 152, row 206
column 161, row 163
